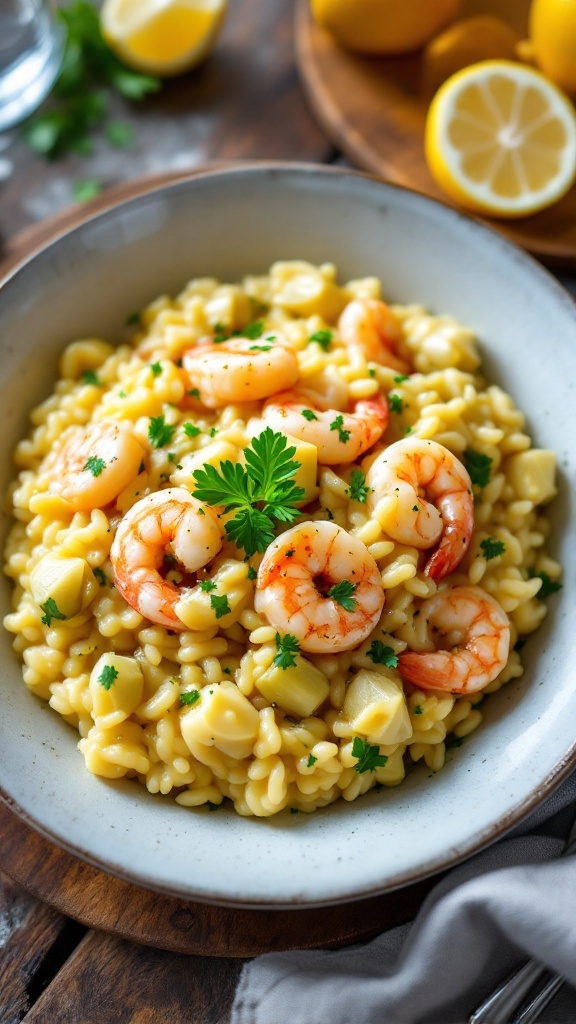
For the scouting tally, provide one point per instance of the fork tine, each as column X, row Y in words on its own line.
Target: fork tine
column 500, row 1004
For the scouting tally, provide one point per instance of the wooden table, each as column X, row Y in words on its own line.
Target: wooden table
column 244, row 103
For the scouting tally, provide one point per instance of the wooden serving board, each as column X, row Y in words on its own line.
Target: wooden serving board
column 110, row 904
column 373, row 110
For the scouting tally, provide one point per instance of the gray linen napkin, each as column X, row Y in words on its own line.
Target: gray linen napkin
column 514, row 901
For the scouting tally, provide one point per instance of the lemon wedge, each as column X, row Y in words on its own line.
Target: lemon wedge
column 161, row 37
column 501, row 139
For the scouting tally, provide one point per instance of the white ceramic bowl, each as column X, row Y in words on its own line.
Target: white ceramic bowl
column 226, row 224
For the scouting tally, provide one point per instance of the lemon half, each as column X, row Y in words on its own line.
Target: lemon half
column 161, row 37
column 501, row 139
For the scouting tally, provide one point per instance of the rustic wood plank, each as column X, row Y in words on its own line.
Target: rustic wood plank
column 108, row 979
column 30, row 932
column 245, row 101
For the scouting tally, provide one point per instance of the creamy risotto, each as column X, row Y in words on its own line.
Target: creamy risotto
column 279, row 546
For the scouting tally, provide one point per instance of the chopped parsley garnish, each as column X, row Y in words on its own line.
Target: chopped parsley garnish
column 194, row 392
column 191, row 430
column 322, row 338
column 382, row 654
column 309, row 415
column 220, row 605
column 207, row 585
column 252, row 574
column 189, row 697
column 107, row 676
column 400, row 378
column 368, row 756
column 95, row 465
column 395, row 402
column 548, row 586
column 90, row 377
column 358, row 489
column 418, row 710
column 101, row 577
column 160, row 432
column 213, row 431
column 311, row 761
column 415, row 508
column 253, row 331
column 491, row 548
column 86, row 189
column 156, row 369
column 133, row 319
column 213, row 807
column 456, row 741
column 51, row 611
column 478, row 467
column 337, row 424
column 259, row 493
column 342, row 594
column 288, row 647
column 260, row 348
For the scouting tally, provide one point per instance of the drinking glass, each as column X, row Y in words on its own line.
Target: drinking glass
column 31, row 46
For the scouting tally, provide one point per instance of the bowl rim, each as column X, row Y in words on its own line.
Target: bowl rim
column 564, row 767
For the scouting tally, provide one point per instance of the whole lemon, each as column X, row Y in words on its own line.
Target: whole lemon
column 552, row 30
column 384, row 26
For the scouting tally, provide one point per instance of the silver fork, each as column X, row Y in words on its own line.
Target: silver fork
column 501, row 1004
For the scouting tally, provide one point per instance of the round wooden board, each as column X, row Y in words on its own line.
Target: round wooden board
column 107, row 903
column 373, row 110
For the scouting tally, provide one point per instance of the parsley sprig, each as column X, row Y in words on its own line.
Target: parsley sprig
column 548, row 587
column 259, row 493
column 342, row 593
column 478, row 467
column 288, row 647
column 51, row 611
column 358, row 490
column 80, row 102
column 491, row 548
column 368, row 756
column 382, row 654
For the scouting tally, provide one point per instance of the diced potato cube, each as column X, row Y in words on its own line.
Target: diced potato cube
column 224, row 718
column 303, row 289
column 229, row 306
column 69, row 582
column 306, row 476
column 299, row 689
column 375, row 706
column 532, row 475
column 198, row 611
column 116, row 687
column 211, row 454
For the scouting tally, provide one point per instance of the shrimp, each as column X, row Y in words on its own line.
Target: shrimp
column 240, row 370
column 168, row 521
column 371, row 325
column 339, row 437
column 95, row 463
column 476, row 634
column 296, row 581
column 421, row 494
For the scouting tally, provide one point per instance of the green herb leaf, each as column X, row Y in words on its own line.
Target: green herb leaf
column 252, row 331
column 86, row 190
column 95, row 465
column 191, row 430
column 266, row 480
column 368, row 756
column 322, row 338
column 160, row 432
column 107, row 676
column 478, row 467
column 252, row 574
column 418, row 710
column 381, row 654
column 194, row 392
column 309, row 415
column 337, row 424
column 119, row 134
column 101, row 577
column 548, row 586
column 51, row 611
column 207, row 585
column 342, row 594
column 90, row 377
column 189, row 697
column 395, row 402
column 358, row 490
column 220, row 605
column 311, row 761
column 400, row 378
column 491, row 548
column 156, row 369
column 288, row 647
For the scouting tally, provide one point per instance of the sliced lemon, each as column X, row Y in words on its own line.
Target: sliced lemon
column 501, row 139
column 161, row 37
